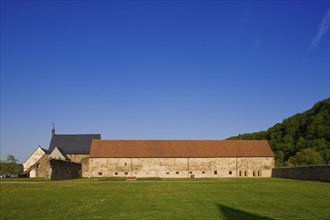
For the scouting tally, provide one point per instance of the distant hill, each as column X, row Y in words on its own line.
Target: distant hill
column 302, row 139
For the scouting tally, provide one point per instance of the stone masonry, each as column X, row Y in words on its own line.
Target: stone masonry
column 181, row 167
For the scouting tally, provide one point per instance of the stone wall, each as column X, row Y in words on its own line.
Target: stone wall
column 181, row 167
column 320, row 172
column 77, row 157
column 63, row 170
column 212, row 167
column 55, row 169
column 85, row 167
column 41, row 168
column 255, row 166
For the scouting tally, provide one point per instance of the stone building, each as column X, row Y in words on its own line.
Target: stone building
column 74, row 146
column 66, row 154
column 33, row 158
column 180, row 159
column 86, row 155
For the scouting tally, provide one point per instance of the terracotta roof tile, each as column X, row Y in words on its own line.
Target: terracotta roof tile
column 179, row 148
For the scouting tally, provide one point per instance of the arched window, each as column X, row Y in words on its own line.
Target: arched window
column 259, row 173
column 240, row 173
column 254, row 173
column 246, row 173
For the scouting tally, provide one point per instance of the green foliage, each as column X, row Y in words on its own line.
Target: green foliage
column 10, row 166
column 310, row 129
column 237, row 198
column 308, row 156
column 11, row 159
column 279, row 162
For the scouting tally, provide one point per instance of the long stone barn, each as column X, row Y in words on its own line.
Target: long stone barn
column 180, row 158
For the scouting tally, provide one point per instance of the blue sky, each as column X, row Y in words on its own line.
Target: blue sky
column 157, row 69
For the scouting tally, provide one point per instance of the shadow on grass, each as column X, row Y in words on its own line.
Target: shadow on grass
column 233, row 214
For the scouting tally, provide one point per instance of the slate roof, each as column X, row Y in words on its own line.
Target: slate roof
column 179, row 148
column 73, row 143
column 45, row 150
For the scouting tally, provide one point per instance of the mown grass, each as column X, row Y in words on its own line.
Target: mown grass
column 267, row 198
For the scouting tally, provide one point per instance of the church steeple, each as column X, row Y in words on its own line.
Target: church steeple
column 53, row 130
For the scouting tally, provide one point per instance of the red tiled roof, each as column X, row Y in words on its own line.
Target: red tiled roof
column 179, row 148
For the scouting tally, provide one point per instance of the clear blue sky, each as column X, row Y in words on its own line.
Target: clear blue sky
column 157, row 69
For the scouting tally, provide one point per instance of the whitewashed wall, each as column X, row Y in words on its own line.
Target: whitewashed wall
column 36, row 155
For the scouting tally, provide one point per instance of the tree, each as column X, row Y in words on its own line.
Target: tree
column 310, row 129
column 279, row 159
column 308, row 156
column 11, row 159
column 10, row 166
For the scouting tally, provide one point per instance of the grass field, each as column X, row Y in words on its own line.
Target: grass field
column 261, row 199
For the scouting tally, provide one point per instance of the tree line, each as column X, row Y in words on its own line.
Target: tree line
column 303, row 139
column 10, row 167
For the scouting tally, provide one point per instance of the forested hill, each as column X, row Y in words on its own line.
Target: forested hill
column 302, row 139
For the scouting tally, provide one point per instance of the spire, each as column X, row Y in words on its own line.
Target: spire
column 53, row 130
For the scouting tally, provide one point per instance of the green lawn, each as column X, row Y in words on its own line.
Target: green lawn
column 267, row 198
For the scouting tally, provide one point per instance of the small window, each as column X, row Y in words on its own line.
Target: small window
column 215, row 172
column 203, row 172
column 177, row 172
column 167, row 172
column 259, row 173
column 116, row 173
column 254, row 173
column 126, row 173
column 230, row 172
column 125, row 164
column 246, row 173
column 240, row 173
column 190, row 172
column 100, row 173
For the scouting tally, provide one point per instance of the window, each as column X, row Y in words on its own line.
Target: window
column 167, row 172
column 230, row 172
column 254, row 173
column 177, row 172
column 259, row 173
column 190, row 172
column 215, row 172
column 126, row 173
column 100, row 173
column 203, row 172
column 125, row 164
column 240, row 173
column 246, row 173
column 116, row 173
